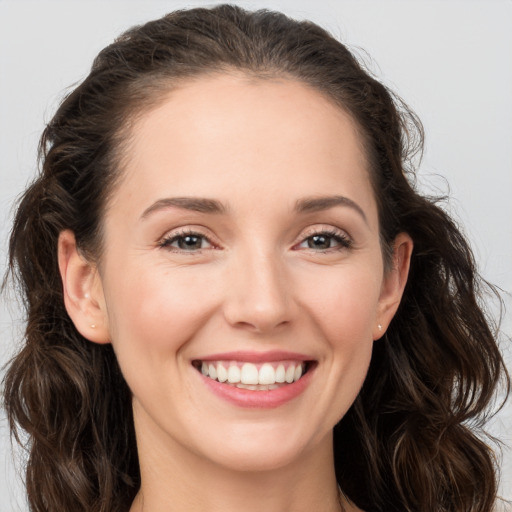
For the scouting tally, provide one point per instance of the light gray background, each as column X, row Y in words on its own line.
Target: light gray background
column 451, row 60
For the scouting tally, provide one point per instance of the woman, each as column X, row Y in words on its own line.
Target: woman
column 236, row 299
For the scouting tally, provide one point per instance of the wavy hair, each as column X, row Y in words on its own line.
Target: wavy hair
column 408, row 442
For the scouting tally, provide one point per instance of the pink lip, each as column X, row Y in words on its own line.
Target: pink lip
column 256, row 357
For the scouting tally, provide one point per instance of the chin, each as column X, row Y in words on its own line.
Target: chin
column 260, row 448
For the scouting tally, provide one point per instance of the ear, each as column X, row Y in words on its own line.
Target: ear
column 393, row 284
column 82, row 290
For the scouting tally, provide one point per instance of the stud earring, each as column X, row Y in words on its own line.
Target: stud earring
column 380, row 327
column 93, row 326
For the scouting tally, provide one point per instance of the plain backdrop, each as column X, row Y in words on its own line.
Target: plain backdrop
column 451, row 60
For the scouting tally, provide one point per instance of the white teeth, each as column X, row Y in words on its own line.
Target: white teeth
column 280, row 374
column 249, row 377
column 249, row 374
column 290, row 374
column 252, row 387
column 267, row 374
column 233, row 374
column 212, row 372
column 222, row 373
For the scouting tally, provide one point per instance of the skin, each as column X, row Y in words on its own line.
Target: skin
column 256, row 284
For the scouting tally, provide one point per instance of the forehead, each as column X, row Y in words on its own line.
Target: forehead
column 230, row 134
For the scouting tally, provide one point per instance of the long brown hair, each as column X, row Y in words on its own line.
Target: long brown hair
column 408, row 442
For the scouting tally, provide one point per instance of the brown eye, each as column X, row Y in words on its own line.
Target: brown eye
column 319, row 242
column 188, row 242
column 326, row 240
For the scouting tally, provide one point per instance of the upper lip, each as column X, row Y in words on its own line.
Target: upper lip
column 256, row 357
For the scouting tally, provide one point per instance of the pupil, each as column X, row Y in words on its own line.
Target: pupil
column 190, row 242
column 319, row 242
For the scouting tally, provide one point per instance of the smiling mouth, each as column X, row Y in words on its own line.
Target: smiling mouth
column 255, row 377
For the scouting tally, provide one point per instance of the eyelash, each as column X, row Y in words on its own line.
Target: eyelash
column 343, row 240
column 166, row 242
column 338, row 236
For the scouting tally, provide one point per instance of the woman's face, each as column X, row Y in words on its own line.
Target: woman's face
column 243, row 241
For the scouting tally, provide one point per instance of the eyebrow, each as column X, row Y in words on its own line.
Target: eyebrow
column 316, row 204
column 196, row 204
column 212, row 206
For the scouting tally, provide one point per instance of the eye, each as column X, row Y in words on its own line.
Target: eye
column 325, row 240
column 188, row 241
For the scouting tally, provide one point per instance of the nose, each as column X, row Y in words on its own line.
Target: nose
column 258, row 295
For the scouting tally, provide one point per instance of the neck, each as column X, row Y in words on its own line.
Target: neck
column 173, row 479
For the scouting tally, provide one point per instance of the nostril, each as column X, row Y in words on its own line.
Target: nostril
column 259, row 302
column 260, row 325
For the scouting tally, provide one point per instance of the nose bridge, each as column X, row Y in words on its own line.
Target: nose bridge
column 258, row 296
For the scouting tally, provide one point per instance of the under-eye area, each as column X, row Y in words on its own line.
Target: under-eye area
column 254, row 376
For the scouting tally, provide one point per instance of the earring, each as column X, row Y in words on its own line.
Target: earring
column 380, row 327
column 93, row 326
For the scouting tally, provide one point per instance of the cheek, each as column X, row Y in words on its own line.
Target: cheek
column 344, row 304
column 344, row 310
column 155, row 311
column 341, row 306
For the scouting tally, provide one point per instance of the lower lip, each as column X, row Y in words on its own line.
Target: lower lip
column 258, row 399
